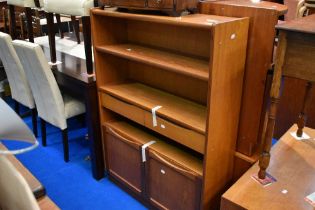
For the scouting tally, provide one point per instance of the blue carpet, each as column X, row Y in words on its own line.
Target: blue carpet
column 70, row 185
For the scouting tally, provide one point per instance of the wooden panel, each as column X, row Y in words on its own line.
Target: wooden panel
column 292, row 164
column 160, row 4
column 129, row 3
column 124, row 160
column 173, row 62
column 296, row 56
column 224, row 106
column 181, row 111
column 258, row 60
column 170, row 186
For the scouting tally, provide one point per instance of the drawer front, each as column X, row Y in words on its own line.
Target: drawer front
column 180, row 134
column 170, row 186
column 127, row 3
column 161, row 4
column 127, row 110
column 124, row 160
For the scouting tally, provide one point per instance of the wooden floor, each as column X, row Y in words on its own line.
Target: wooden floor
column 292, row 164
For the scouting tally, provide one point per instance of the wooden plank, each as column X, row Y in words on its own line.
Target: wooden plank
column 258, row 60
column 181, row 111
column 139, row 135
column 292, row 164
column 305, row 25
column 194, row 67
column 45, row 203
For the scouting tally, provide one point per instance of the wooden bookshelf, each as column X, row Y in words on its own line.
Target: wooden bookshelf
column 191, row 66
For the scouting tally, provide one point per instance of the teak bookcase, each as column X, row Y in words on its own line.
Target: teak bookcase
column 191, row 66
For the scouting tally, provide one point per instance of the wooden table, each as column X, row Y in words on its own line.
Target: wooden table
column 293, row 166
column 295, row 59
column 72, row 78
column 36, row 186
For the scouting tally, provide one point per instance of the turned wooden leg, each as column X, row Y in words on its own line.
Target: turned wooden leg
column 43, row 130
column 29, row 21
column 51, row 37
column 274, row 95
column 76, row 28
column 86, row 24
column 12, row 22
column 65, row 145
column 306, row 104
column 58, row 18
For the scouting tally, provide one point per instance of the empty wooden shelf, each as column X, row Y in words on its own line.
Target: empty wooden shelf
column 178, row 82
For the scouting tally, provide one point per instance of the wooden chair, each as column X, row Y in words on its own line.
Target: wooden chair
column 74, row 9
column 20, row 89
column 51, row 105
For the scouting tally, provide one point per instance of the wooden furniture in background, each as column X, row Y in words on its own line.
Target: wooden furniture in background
column 294, row 168
column 258, row 61
column 145, row 61
column 295, row 53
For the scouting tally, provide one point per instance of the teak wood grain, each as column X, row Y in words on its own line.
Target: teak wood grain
column 294, row 168
column 208, row 106
column 263, row 15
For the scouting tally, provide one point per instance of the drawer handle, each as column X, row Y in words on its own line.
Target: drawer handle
column 172, row 165
column 121, row 137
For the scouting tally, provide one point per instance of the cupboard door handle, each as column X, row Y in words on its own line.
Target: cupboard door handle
column 114, row 133
column 187, row 172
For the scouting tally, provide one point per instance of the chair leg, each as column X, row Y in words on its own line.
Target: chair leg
column 59, row 25
column 86, row 24
column 76, row 28
column 17, row 107
column 43, row 129
column 29, row 21
column 51, row 36
column 34, row 122
column 65, row 145
column 12, row 22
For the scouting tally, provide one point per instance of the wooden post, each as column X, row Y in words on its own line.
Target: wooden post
column 51, row 36
column 274, row 95
column 12, row 22
column 306, row 104
column 29, row 21
column 86, row 24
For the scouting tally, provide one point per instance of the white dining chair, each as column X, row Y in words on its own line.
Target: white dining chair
column 20, row 88
column 15, row 193
column 73, row 8
column 52, row 107
column 28, row 5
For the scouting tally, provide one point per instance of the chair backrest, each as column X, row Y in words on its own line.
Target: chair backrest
column 48, row 99
column 20, row 89
column 14, row 190
column 24, row 3
column 69, row 7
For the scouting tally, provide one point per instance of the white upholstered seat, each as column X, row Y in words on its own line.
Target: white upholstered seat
column 20, row 89
column 51, row 106
column 15, row 193
column 24, row 3
column 69, row 7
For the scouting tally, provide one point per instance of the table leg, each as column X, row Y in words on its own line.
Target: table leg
column 274, row 95
column 306, row 104
column 12, row 22
column 51, row 36
column 94, row 132
column 29, row 21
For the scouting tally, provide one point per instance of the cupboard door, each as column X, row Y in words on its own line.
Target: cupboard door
column 124, row 160
column 171, row 186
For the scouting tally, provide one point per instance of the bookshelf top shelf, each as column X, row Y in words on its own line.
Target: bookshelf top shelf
column 184, row 112
column 194, row 67
column 194, row 20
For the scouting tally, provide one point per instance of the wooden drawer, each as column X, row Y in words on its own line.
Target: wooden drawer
column 161, row 4
column 126, row 3
column 124, row 160
column 178, row 133
column 170, row 186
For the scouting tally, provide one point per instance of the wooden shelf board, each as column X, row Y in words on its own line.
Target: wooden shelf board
column 181, row 111
column 201, row 21
column 197, row 68
column 133, row 133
